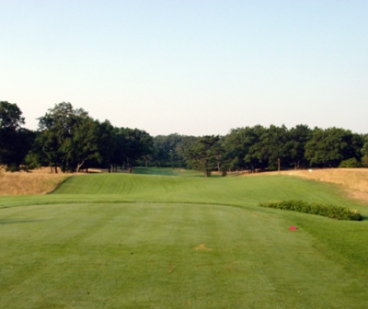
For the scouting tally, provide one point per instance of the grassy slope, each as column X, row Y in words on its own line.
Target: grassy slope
column 236, row 191
column 96, row 252
column 28, row 183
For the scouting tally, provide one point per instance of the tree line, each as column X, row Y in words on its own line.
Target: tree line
column 69, row 139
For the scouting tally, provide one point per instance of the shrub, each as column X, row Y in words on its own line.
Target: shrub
column 365, row 160
column 12, row 168
column 350, row 163
column 330, row 211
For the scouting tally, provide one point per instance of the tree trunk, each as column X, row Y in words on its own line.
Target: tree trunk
column 79, row 165
column 278, row 164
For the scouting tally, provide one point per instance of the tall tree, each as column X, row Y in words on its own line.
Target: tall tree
column 15, row 142
column 10, row 116
column 133, row 144
column 107, row 143
column 295, row 145
column 169, row 150
column 331, row 146
column 237, row 144
column 274, row 141
column 68, row 137
column 364, row 151
column 257, row 152
column 202, row 155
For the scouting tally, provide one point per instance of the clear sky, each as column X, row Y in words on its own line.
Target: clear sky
column 191, row 67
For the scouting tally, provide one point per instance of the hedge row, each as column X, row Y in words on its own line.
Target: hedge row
column 330, row 211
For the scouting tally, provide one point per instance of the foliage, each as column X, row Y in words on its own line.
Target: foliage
column 365, row 160
column 70, row 139
column 15, row 142
column 266, row 148
column 364, row 149
column 295, row 145
column 10, row 115
column 169, row 151
column 331, row 146
column 205, row 154
column 132, row 145
column 106, row 136
column 67, row 137
column 256, row 156
column 330, row 211
column 350, row 163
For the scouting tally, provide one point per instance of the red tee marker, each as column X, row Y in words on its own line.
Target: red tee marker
column 292, row 228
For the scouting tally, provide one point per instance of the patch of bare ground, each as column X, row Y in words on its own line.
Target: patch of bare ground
column 353, row 180
column 202, row 247
column 22, row 183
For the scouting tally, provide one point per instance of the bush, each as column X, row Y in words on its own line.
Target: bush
column 330, row 211
column 350, row 163
column 12, row 168
column 365, row 160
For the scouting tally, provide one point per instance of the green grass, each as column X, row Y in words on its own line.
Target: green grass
column 165, row 171
column 145, row 241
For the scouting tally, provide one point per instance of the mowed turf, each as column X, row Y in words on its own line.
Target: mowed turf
column 136, row 241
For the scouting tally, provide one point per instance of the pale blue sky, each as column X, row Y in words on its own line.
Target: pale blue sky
column 191, row 67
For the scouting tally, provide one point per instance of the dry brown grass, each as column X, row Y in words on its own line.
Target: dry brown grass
column 354, row 181
column 29, row 183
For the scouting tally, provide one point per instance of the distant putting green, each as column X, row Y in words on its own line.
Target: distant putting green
column 143, row 241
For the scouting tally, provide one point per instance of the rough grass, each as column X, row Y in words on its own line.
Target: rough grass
column 143, row 241
column 28, row 183
column 351, row 178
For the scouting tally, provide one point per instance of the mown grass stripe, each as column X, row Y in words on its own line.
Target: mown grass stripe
column 157, row 252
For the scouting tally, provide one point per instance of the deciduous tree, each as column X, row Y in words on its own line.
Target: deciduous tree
column 68, row 137
column 15, row 142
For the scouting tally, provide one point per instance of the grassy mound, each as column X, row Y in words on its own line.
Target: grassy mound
column 240, row 191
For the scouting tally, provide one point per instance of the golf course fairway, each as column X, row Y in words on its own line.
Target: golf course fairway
column 146, row 241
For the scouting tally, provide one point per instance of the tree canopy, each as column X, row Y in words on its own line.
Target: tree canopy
column 69, row 139
column 205, row 154
column 15, row 141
